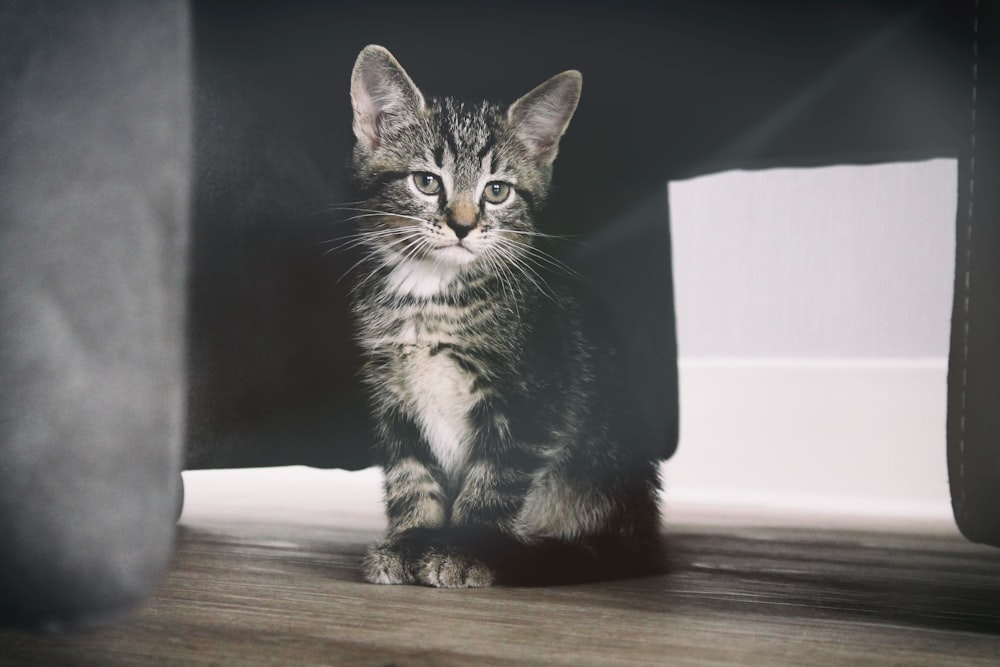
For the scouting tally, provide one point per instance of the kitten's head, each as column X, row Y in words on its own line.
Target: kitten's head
column 450, row 187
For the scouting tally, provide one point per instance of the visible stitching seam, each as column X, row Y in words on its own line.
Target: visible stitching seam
column 967, row 296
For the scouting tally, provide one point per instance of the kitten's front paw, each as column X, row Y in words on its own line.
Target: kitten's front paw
column 444, row 568
column 387, row 563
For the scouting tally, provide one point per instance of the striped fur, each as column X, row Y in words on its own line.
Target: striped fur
column 498, row 437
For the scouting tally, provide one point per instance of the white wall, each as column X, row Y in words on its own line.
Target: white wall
column 813, row 310
column 828, row 262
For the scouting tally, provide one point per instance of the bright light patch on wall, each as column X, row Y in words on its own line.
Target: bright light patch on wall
column 813, row 310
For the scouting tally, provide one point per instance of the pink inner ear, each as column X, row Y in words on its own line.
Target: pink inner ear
column 383, row 96
column 544, row 148
column 378, row 109
column 366, row 117
column 543, row 114
column 542, row 137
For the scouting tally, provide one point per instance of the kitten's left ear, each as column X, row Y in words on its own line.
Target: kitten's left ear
column 383, row 96
column 540, row 118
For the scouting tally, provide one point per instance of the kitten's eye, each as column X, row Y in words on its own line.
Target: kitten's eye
column 429, row 184
column 496, row 192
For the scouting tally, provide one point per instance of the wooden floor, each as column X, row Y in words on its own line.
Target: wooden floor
column 242, row 592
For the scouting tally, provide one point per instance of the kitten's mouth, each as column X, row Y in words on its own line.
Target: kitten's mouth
column 457, row 251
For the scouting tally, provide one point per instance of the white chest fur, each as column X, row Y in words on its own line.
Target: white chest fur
column 421, row 278
column 440, row 396
column 434, row 389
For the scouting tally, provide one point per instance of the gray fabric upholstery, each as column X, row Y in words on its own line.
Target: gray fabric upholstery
column 94, row 180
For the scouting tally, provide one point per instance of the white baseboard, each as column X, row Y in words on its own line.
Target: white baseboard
column 799, row 440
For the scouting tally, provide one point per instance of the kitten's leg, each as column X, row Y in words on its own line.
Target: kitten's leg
column 565, row 506
column 414, row 500
column 424, row 543
column 457, row 561
column 615, row 516
column 491, row 495
column 413, row 496
column 482, row 515
column 486, row 506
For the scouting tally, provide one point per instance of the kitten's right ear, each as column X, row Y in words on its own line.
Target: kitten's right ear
column 383, row 96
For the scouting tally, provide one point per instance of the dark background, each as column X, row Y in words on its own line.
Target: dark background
column 670, row 91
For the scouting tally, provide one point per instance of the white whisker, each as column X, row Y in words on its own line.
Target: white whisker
column 512, row 259
column 539, row 258
column 506, row 278
column 351, row 241
column 386, row 261
column 377, row 213
column 368, row 234
column 534, row 233
column 408, row 241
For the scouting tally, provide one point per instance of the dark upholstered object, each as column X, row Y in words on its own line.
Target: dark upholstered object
column 94, row 162
column 670, row 90
column 101, row 102
column 974, row 368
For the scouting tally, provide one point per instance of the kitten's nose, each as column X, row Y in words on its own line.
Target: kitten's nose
column 462, row 217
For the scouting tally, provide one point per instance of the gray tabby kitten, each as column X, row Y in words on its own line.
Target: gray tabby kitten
column 506, row 458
